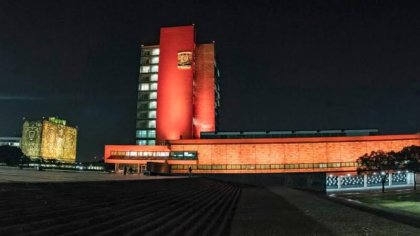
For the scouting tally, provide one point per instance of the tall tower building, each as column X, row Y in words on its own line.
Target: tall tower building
column 178, row 88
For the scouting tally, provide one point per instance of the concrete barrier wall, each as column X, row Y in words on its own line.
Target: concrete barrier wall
column 307, row 181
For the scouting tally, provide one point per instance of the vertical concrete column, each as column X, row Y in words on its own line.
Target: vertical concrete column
column 116, row 168
column 365, row 180
column 339, row 182
column 138, row 168
column 390, row 179
column 409, row 178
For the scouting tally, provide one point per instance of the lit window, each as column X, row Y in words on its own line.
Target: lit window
column 146, row 52
column 152, row 105
column 144, row 69
column 155, row 51
column 152, row 134
column 154, row 69
column 144, row 87
column 152, row 114
column 155, row 60
column 141, row 134
column 154, row 77
column 141, row 142
column 153, row 95
column 153, row 86
column 151, row 142
column 152, row 124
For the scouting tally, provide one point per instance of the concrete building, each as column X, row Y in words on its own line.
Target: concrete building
column 178, row 94
column 176, row 112
column 10, row 141
column 49, row 138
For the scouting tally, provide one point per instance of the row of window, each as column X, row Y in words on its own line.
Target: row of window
column 140, row 154
column 150, row 51
column 267, row 166
column 145, row 142
column 177, row 155
column 146, row 124
column 149, row 60
column 147, row 96
column 146, row 105
column 147, row 86
column 148, row 77
column 146, row 134
column 146, row 115
column 149, row 69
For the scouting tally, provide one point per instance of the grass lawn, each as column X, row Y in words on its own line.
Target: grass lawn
column 407, row 202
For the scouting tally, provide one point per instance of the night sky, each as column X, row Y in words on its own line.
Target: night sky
column 285, row 65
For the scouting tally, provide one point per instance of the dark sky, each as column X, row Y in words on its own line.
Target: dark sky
column 285, row 65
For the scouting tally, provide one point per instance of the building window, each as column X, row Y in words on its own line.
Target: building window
column 146, row 52
column 154, row 69
column 141, row 134
column 152, row 105
column 153, row 95
column 155, row 60
column 143, row 96
column 152, row 114
column 154, row 77
column 151, row 142
column 154, row 86
column 144, row 78
column 142, row 124
column 152, row 124
column 155, row 51
column 142, row 105
column 152, row 134
column 144, row 69
column 144, row 87
column 141, row 142
column 142, row 115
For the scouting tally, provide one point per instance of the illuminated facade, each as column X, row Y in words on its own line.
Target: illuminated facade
column 49, row 139
column 178, row 95
column 176, row 112
column 259, row 155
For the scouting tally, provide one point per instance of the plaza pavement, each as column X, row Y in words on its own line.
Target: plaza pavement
column 260, row 211
column 340, row 219
column 30, row 175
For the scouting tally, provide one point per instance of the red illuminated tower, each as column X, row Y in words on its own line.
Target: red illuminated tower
column 178, row 91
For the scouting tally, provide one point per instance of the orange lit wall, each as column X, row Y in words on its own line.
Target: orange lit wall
column 273, row 151
column 204, row 117
column 174, row 110
column 290, row 150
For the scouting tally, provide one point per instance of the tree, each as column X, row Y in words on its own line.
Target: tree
column 410, row 159
column 12, row 156
column 378, row 161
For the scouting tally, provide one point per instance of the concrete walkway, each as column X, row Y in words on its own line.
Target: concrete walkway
column 261, row 212
column 340, row 219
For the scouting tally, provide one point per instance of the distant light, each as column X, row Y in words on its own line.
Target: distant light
column 398, row 172
column 374, row 173
column 348, row 174
column 382, row 173
column 331, row 175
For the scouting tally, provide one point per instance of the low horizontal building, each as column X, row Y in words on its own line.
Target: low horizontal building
column 258, row 155
column 10, row 141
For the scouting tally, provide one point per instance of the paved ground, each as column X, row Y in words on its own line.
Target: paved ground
column 260, row 211
column 15, row 175
column 187, row 206
column 340, row 219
